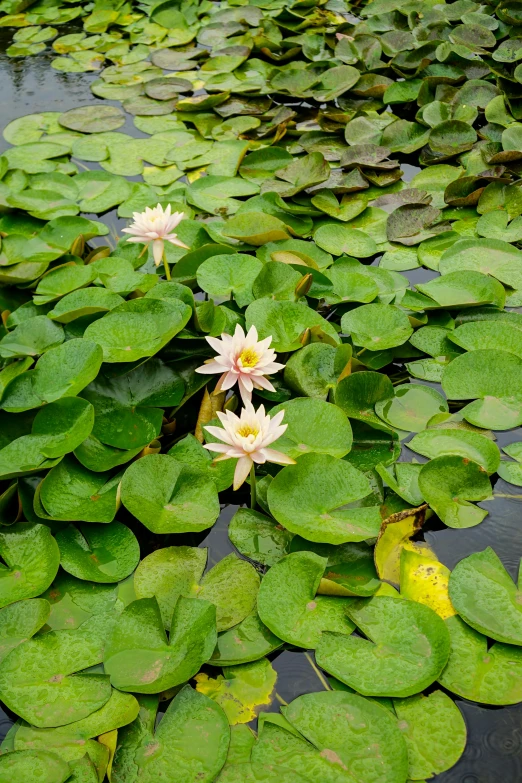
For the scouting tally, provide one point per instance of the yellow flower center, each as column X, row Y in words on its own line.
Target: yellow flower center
column 246, row 430
column 249, row 357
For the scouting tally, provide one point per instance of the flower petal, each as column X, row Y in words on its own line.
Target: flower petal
column 242, row 470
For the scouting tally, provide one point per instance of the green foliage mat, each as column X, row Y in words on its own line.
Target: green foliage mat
column 281, row 133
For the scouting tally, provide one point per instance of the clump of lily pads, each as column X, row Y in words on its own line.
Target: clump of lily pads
column 287, row 322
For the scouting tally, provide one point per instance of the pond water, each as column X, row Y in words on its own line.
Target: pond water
column 494, row 749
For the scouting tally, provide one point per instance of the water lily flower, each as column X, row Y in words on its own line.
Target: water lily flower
column 247, row 438
column 156, row 226
column 242, row 359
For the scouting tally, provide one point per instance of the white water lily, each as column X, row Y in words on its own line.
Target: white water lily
column 156, row 226
column 247, row 438
column 242, row 359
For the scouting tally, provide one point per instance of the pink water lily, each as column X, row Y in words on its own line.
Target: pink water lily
column 247, row 438
column 156, row 226
column 242, row 359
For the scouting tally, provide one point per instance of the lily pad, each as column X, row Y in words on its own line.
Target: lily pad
column 242, row 691
column 464, row 443
column 479, row 671
column 248, row 641
column 485, row 597
column 231, row 585
column 412, row 407
column 289, row 606
column 72, row 493
column 31, row 558
column 168, row 496
column 490, row 378
column 435, row 733
column 406, row 648
column 258, row 537
column 138, row 328
column 338, row 736
column 107, row 553
column 313, row 426
column 93, row 119
column 377, row 327
column 138, row 656
column 448, row 483
column 192, row 736
column 310, row 499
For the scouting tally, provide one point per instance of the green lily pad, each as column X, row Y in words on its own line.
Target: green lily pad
column 86, row 301
column 58, row 428
column 406, row 648
column 480, row 335
column 45, row 766
column 435, row 733
column 285, row 322
column 412, row 407
column 60, row 372
column 448, row 483
column 127, row 407
column 340, row 240
column 107, row 553
column 177, row 743
column 168, row 496
column 311, row 371
column 486, row 597
column 20, row 621
column 313, row 426
column 479, row 671
column 31, row 559
column 258, row 537
column 72, row 493
column 377, row 327
column 231, row 585
column 462, row 289
column 138, row 656
column 248, row 641
column 138, row 328
column 310, row 499
column 229, row 275
column 39, row 679
column 338, row 736
column 31, row 338
column 289, row 606
column 463, row 443
column 490, row 378
column 93, row 119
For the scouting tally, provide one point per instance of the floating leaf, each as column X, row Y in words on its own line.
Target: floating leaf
column 193, row 735
column 406, row 648
column 448, row 483
column 310, row 499
column 377, row 327
column 288, row 604
column 479, row 671
column 242, row 691
column 485, row 597
column 168, row 496
column 347, row 738
column 435, row 733
column 258, row 537
column 93, row 119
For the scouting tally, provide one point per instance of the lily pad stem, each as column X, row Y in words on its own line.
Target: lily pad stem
column 166, row 266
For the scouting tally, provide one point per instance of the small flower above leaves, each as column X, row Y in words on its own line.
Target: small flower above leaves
column 247, row 438
column 242, row 359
